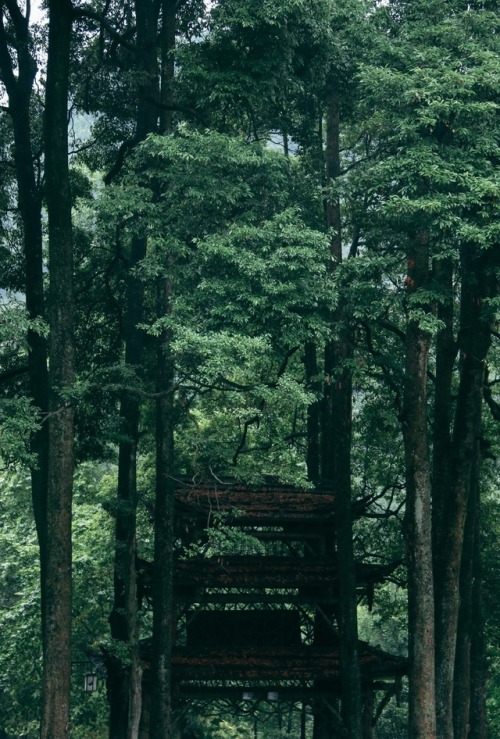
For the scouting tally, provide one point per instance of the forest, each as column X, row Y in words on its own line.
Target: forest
column 249, row 249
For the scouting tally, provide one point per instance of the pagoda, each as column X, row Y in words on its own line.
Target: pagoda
column 256, row 596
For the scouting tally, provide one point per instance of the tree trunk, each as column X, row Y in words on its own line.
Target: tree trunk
column 313, row 411
column 336, row 446
column 422, row 706
column 163, row 578
column 446, row 350
column 123, row 618
column 477, row 281
column 124, row 683
column 57, row 601
column 368, row 714
column 478, row 720
column 462, row 677
column 19, row 91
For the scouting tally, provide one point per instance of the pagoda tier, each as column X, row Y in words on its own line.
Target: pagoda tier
column 267, row 505
column 307, row 580
column 279, row 666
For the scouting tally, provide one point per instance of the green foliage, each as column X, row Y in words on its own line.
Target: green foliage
column 200, row 727
column 248, row 401
column 262, row 719
column 250, row 284
column 20, row 657
column 18, row 420
column 268, row 279
column 18, row 417
column 239, row 232
column 437, row 136
column 223, row 539
column 201, row 182
column 490, row 562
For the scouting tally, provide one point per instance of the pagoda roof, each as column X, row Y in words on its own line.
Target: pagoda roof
column 265, row 504
column 258, row 571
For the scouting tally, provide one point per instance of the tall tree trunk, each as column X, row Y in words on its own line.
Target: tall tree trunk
column 446, row 350
column 336, row 447
column 368, row 714
column 163, row 579
column 478, row 720
column 57, row 601
column 124, row 683
column 123, row 618
column 462, row 676
column 19, row 90
column 422, row 706
column 313, row 411
column 122, row 691
column 163, row 590
column 477, row 282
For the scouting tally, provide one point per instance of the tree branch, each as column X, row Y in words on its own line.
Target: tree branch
column 392, row 328
column 492, row 404
column 385, row 700
column 120, row 159
column 250, row 422
column 284, row 363
column 356, row 234
column 18, row 19
column 89, row 14
column 385, row 372
column 6, row 70
column 179, row 108
column 13, row 372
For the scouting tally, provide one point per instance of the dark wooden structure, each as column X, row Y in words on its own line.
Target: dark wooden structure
column 247, row 617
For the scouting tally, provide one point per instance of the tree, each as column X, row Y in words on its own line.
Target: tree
column 57, row 600
column 53, row 464
column 435, row 157
column 125, row 681
column 422, row 714
column 21, row 110
column 163, row 637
